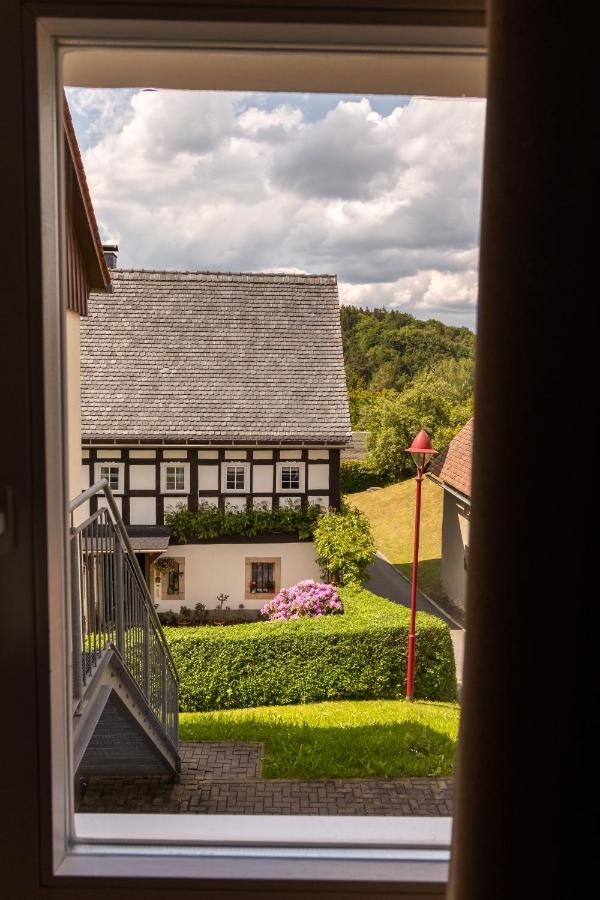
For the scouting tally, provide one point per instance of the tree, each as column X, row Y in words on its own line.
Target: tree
column 439, row 401
column 344, row 545
column 386, row 349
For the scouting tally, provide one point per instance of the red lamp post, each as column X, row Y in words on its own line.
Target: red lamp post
column 421, row 451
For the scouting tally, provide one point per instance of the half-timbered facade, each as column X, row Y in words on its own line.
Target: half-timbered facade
column 220, row 389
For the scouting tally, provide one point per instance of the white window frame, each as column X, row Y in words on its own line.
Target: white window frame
column 237, row 464
column 163, row 477
column 296, row 464
column 405, row 852
column 107, row 463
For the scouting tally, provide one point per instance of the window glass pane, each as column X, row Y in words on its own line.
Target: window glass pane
column 263, row 577
column 290, row 478
column 235, row 478
column 175, row 478
column 111, row 473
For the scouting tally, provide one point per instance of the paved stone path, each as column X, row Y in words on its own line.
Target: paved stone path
column 386, row 581
column 226, row 778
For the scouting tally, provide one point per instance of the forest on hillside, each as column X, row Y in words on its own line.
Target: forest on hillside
column 404, row 374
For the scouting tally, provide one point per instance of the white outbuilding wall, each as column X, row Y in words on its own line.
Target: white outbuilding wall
column 211, row 569
column 455, row 548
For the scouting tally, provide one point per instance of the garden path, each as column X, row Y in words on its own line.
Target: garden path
column 386, row 581
column 225, row 778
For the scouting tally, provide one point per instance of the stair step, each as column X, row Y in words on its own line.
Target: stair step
column 116, row 733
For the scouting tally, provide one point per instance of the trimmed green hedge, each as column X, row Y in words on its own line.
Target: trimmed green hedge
column 358, row 655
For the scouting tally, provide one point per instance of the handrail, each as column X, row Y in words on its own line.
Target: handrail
column 81, row 498
column 102, row 485
column 112, row 608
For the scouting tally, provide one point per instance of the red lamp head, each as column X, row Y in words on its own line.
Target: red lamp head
column 421, row 450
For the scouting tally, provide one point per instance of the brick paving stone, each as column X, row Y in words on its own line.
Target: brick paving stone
column 226, row 778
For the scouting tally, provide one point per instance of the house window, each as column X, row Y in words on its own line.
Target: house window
column 165, row 861
column 175, row 478
column 263, row 578
column 113, row 472
column 235, row 477
column 290, row 477
column 169, row 582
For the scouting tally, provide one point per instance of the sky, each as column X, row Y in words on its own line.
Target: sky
column 383, row 191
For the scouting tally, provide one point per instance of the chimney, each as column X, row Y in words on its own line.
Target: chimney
column 110, row 254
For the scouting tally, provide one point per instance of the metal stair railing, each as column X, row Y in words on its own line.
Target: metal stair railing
column 112, row 608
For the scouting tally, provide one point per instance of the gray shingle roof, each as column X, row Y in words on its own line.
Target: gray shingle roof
column 211, row 356
column 356, row 448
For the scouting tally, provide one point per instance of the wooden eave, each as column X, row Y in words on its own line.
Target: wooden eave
column 81, row 211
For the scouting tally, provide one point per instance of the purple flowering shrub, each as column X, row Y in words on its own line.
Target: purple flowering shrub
column 304, row 600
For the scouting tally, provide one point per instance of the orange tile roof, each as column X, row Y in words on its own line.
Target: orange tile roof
column 453, row 465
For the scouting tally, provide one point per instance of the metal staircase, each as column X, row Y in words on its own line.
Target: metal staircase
column 125, row 685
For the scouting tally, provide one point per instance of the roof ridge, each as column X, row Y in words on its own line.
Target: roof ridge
column 222, row 274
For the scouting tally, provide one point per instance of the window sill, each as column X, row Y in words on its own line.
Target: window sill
column 409, row 850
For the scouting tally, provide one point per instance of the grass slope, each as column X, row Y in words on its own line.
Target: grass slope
column 344, row 739
column 391, row 512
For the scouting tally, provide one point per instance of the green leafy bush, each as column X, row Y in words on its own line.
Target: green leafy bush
column 344, row 545
column 356, row 475
column 210, row 522
column 358, row 655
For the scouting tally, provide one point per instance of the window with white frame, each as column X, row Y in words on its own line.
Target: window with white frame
column 113, row 472
column 235, row 477
column 247, row 481
column 175, row 478
column 290, row 477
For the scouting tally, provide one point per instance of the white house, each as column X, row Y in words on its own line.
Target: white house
column 452, row 470
column 215, row 388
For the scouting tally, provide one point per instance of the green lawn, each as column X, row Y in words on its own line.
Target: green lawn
column 345, row 739
column 391, row 512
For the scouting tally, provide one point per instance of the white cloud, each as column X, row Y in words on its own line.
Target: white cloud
column 274, row 124
column 450, row 296
column 217, row 180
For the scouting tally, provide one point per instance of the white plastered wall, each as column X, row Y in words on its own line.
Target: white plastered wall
column 73, row 402
column 455, row 542
column 212, row 569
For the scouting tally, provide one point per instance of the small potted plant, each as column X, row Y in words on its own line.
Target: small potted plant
column 199, row 614
column 185, row 616
column 165, row 564
column 167, row 618
column 221, row 600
